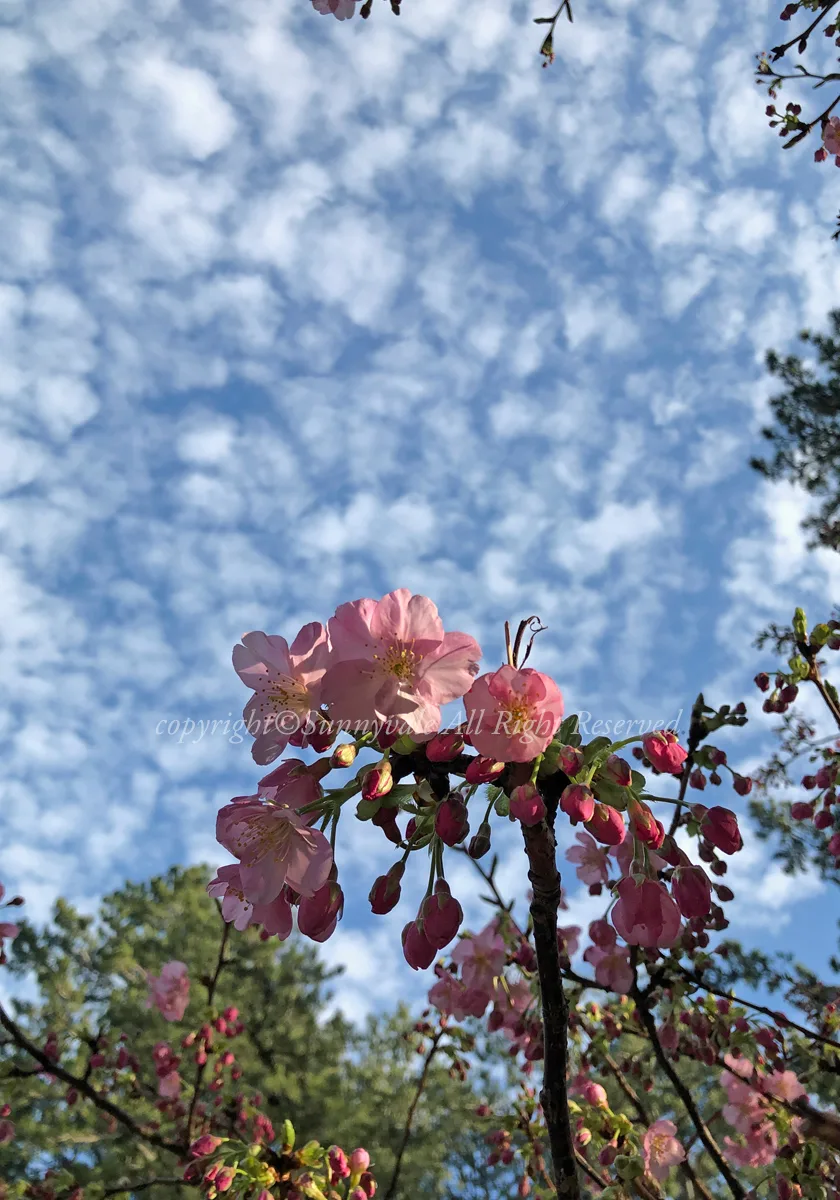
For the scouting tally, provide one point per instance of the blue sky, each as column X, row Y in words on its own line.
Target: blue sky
column 295, row 311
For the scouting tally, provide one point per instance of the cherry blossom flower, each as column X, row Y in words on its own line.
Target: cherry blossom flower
column 392, row 661
column 481, row 957
column 275, row 918
column 568, row 939
column 644, row 914
column 612, row 967
column 592, row 862
column 661, row 1149
column 831, row 135
column 692, row 890
column 452, row 997
column 720, row 827
column 343, row 10
column 291, row 786
column 275, row 847
column 286, row 682
column 169, row 1086
column 169, row 991
column 513, row 714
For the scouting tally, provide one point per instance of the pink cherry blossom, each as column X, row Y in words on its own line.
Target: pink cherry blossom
column 342, row 9
column 644, row 914
column 169, row 1086
column 450, row 996
column 831, row 135
column 784, row 1086
column 592, row 861
column 275, row 847
column 481, row 957
column 169, row 991
column 513, row 714
column 286, row 683
column 393, row 661
column 275, row 918
column 661, row 1149
column 612, row 967
column 568, row 939
column 8, row 931
column 291, row 786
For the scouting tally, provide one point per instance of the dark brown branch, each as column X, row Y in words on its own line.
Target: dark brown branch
column 540, row 847
column 211, row 992
column 147, row 1183
column 83, row 1087
column 703, row 1132
column 412, row 1108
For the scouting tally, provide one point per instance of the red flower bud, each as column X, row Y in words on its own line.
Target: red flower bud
column 606, row 825
column 441, row 915
column 578, row 802
column 445, row 746
column 483, row 770
column 720, row 827
column 385, row 893
column 526, row 804
column 418, row 951
column 451, row 824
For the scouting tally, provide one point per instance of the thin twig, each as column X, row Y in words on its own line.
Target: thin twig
column 412, row 1108
column 211, row 991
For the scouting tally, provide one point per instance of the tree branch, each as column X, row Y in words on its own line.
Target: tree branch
column 684, row 1094
column 412, row 1108
column 540, row 847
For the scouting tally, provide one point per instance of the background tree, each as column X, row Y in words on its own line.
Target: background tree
column 806, row 435
column 337, row 1083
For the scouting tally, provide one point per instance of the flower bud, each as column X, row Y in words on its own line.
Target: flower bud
column 483, row 770
column 578, row 802
column 319, row 914
column 445, row 746
column 418, row 951
column 617, row 770
column 480, row 842
column 606, row 825
column 359, row 1161
column 385, row 893
column 344, row 755
column 571, row 760
column 451, row 824
column 378, row 781
column 205, row 1145
column 527, row 805
column 720, row 827
column 742, row 784
column 441, row 915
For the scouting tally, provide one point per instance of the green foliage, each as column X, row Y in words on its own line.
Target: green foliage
column 806, row 436
column 337, row 1084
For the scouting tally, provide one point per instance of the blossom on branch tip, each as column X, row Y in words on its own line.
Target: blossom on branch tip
column 481, row 957
column 720, row 827
column 592, row 862
column 692, row 890
column 661, row 1149
column 275, row 847
column 286, row 682
column 392, row 659
column 169, row 991
column 644, row 914
column 512, row 715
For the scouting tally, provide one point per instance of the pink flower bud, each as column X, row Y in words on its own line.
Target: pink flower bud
column 578, row 802
column 606, row 825
column 800, row 811
column 339, row 1165
column 720, row 827
column 762, row 679
column 206, row 1144
column 378, row 781
column 386, row 820
column 526, row 804
column 617, row 770
column 359, row 1161
column 385, row 893
column 834, row 845
column 224, row 1178
column 451, row 824
column 742, row 784
column 368, row 1184
column 697, row 779
column 319, row 914
column 483, row 770
column 418, row 951
column 823, row 819
column 663, row 751
column 593, row 1093
column 645, row 825
column 692, row 890
column 445, row 746
column 442, row 916
column 571, row 760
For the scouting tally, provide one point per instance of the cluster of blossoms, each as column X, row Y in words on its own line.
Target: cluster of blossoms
column 380, row 671
column 218, row 1165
